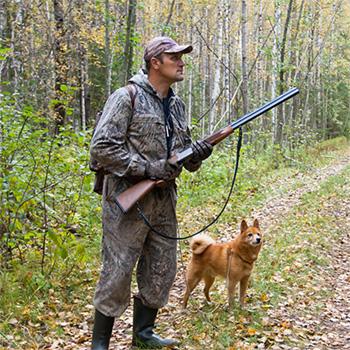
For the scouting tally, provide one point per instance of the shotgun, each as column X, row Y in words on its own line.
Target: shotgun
column 129, row 197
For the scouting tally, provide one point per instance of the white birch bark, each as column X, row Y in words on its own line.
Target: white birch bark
column 217, row 73
column 3, row 35
column 244, row 58
column 275, row 63
column 226, row 59
column 108, row 54
column 83, row 74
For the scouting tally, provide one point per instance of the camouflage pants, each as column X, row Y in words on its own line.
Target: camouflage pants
column 127, row 241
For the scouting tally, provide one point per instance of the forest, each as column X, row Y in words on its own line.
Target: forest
column 59, row 62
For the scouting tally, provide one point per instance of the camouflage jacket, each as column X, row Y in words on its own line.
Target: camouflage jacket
column 127, row 138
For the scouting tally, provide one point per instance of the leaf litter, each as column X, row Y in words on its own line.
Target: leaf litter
column 313, row 313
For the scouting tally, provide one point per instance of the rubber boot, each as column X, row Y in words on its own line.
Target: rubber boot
column 144, row 322
column 102, row 331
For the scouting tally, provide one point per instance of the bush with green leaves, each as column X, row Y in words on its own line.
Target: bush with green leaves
column 45, row 184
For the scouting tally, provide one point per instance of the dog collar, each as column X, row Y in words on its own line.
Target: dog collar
column 246, row 261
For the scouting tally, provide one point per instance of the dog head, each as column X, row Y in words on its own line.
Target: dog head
column 251, row 234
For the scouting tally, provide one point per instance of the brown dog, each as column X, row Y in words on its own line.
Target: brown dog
column 233, row 260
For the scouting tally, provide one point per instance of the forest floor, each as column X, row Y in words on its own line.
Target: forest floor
column 312, row 316
column 302, row 304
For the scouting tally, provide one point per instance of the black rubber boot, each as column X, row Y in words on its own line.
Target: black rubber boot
column 143, row 336
column 102, row 331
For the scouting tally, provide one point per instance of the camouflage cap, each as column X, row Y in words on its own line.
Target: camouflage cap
column 163, row 44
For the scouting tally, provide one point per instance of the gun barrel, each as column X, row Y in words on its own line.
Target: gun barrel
column 263, row 109
column 129, row 197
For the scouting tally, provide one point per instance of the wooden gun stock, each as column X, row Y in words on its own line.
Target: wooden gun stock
column 128, row 198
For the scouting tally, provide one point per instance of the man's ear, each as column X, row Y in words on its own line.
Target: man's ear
column 244, row 226
column 155, row 63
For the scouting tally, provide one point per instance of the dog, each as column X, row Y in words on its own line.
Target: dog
column 233, row 260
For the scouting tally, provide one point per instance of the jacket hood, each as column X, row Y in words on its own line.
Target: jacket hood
column 141, row 79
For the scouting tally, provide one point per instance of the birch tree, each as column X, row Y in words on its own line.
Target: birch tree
column 244, row 55
column 275, row 63
column 217, row 72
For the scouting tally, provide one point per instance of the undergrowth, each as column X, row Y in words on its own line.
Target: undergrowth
column 288, row 275
column 29, row 293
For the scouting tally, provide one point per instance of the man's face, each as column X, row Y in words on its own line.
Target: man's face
column 170, row 67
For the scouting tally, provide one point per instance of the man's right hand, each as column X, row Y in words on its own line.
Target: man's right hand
column 162, row 169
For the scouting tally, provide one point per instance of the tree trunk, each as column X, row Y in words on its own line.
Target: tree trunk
column 4, row 39
column 60, row 64
column 226, row 105
column 108, row 54
column 217, row 75
column 275, row 64
column 128, row 50
column 165, row 27
column 83, row 88
column 244, row 64
column 281, row 83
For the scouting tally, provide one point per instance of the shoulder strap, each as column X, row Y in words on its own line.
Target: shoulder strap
column 131, row 88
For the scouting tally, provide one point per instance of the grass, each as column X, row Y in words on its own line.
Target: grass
column 31, row 302
column 289, row 271
column 205, row 191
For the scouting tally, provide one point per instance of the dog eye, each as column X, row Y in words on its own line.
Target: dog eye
column 250, row 235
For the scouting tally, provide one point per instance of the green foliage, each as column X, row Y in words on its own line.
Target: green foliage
column 4, row 53
column 44, row 179
column 50, row 219
column 207, row 189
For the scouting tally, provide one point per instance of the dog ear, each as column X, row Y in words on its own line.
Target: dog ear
column 244, row 226
column 256, row 223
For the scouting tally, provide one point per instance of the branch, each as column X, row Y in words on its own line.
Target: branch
column 169, row 17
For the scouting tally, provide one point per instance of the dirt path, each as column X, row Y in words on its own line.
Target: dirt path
column 334, row 320
column 327, row 328
column 323, row 326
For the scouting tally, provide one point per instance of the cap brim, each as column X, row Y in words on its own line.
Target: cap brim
column 179, row 49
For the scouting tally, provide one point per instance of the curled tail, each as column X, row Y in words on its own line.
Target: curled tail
column 199, row 244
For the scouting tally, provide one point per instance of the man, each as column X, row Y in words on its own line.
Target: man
column 137, row 133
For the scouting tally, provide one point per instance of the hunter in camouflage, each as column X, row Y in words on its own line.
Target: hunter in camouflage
column 125, row 159
column 132, row 141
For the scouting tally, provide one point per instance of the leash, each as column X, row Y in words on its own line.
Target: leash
column 149, row 225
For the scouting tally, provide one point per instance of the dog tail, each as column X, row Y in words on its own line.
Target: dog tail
column 199, row 244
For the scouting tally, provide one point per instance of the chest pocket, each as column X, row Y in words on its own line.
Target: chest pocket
column 181, row 138
column 147, row 134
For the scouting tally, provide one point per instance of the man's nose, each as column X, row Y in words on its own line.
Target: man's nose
column 181, row 63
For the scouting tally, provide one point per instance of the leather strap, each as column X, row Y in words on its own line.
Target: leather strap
column 131, row 88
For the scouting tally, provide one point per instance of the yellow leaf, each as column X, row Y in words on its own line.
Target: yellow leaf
column 199, row 337
column 285, row 324
column 251, row 331
column 264, row 297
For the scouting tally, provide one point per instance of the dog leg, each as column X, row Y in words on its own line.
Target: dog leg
column 208, row 280
column 191, row 283
column 231, row 292
column 243, row 290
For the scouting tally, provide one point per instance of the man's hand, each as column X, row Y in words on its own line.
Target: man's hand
column 201, row 150
column 162, row 169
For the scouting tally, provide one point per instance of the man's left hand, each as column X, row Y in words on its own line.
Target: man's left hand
column 201, row 150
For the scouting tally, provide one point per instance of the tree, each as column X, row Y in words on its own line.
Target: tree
column 60, row 64
column 130, row 28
